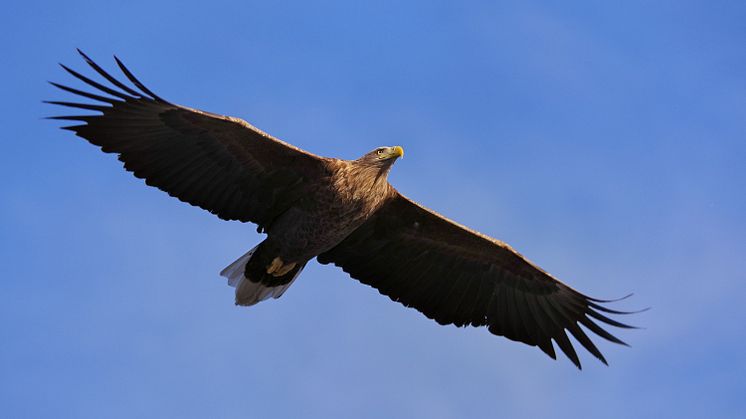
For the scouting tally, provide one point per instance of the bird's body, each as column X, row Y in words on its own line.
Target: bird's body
column 336, row 205
column 343, row 212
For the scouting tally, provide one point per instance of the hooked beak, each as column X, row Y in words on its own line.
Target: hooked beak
column 397, row 151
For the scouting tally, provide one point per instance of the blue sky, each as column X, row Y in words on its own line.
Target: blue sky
column 604, row 141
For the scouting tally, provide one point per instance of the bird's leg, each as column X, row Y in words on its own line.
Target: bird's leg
column 274, row 265
column 279, row 268
column 285, row 269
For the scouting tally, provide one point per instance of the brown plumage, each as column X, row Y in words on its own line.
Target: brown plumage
column 341, row 212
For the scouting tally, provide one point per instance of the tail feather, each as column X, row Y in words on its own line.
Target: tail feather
column 250, row 292
column 234, row 271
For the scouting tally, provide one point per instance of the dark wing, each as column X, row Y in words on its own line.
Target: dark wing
column 457, row 276
column 218, row 163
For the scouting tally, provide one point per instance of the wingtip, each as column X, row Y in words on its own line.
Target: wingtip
column 612, row 311
column 600, row 357
column 84, row 55
column 597, row 300
column 136, row 82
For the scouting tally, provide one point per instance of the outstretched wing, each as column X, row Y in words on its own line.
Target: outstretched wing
column 458, row 276
column 219, row 163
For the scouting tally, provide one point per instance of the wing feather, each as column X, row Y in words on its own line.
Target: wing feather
column 221, row 164
column 457, row 276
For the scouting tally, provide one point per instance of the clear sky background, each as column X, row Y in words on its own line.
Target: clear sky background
column 607, row 142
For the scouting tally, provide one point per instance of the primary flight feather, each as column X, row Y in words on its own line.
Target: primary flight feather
column 343, row 212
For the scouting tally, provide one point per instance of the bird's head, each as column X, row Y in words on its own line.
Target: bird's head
column 382, row 157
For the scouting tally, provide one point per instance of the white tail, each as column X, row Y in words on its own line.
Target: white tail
column 248, row 292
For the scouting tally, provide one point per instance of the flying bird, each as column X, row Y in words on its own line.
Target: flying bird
column 343, row 212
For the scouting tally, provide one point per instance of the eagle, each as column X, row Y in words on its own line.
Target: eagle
column 341, row 212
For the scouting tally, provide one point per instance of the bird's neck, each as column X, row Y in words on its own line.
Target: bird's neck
column 369, row 174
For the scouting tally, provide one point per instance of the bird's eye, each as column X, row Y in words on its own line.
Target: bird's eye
column 380, row 151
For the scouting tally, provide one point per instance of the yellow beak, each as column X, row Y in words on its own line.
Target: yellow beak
column 397, row 151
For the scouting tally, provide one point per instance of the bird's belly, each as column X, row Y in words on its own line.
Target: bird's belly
column 301, row 235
